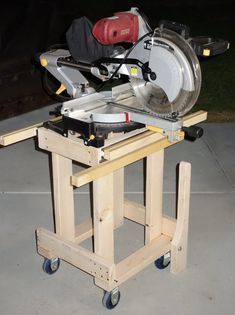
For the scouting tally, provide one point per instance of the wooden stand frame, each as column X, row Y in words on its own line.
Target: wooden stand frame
column 163, row 234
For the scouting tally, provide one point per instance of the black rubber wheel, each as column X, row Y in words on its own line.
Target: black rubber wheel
column 163, row 261
column 50, row 266
column 109, row 301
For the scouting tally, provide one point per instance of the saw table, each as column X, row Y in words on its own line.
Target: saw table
column 165, row 237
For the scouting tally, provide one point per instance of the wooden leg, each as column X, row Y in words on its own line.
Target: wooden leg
column 154, row 190
column 118, row 182
column 180, row 239
column 103, row 217
column 63, row 197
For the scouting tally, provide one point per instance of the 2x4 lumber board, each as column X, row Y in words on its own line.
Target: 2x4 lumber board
column 83, row 231
column 21, row 134
column 142, row 258
column 147, row 137
column 168, row 226
column 103, row 219
column 76, row 255
column 94, row 172
column 132, row 211
column 154, row 190
column 114, row 138
column 194, row 118
column 103, row 205
column 118, row 190
column 63, row 196
column 69, row 148
column 134, row 143
column 45, row 252
column 179, row 243
column 135, row 212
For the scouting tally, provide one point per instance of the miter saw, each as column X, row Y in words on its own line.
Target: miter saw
column 163, row 71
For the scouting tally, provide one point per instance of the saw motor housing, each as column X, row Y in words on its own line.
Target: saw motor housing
column 122, row 27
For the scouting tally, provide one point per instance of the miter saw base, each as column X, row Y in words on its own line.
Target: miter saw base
column 94, row 117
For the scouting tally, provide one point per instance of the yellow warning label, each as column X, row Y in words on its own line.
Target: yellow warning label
column 134, row 71
column 206, row 52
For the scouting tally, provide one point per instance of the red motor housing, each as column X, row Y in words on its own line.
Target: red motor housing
column 122, row 27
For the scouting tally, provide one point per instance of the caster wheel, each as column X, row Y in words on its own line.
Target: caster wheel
column 50, row 266
column 163, row 261
column 111, row 299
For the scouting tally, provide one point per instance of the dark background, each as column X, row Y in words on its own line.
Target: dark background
column 28, row 27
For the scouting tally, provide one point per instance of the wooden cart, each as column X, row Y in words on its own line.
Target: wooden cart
column 163, row 234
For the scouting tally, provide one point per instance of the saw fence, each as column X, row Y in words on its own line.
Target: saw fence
column 163, row 234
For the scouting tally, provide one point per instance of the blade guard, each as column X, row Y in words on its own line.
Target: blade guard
column 122, row 27
column 175, row 87
column 169, row 74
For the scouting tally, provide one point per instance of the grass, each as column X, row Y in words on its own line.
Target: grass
column 218, row 79
column 218, row 85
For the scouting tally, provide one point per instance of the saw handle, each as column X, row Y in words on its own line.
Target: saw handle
column 179, row 28
column 192, row 133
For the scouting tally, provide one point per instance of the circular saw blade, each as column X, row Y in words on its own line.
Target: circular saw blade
column 177, row 70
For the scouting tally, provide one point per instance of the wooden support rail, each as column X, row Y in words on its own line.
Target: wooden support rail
column 89, row 175
column 22, row 134
column 31, row 131
column 75, row 255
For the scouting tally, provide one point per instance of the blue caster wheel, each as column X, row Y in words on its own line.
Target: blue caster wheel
column 50, row 266
column 163, row 261
column 111, row 299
